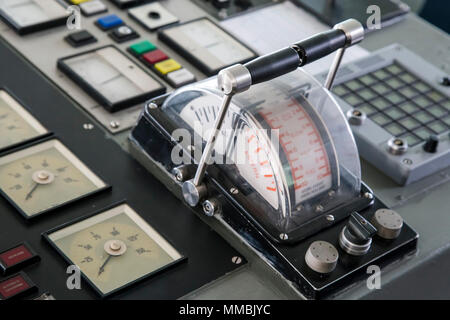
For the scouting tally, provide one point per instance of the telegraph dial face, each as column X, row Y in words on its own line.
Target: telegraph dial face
column 114, row 248
column 45, row 176
column 17, row 125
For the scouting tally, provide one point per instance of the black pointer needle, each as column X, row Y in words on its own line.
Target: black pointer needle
column 29, row 195
column 102, row 268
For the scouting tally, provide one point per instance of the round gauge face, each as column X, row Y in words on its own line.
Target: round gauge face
column 250, row 153
column 16, row 124
column 45, row 176
column 301, row 152
column 114, row 248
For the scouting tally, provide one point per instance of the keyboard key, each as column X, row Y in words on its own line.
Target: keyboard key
column 93, row 7
column 142, row 47
column 154, row 56
column 109, row 22
column 180, row 77
column 409, row 123
column 381, row 119
column 80, row 38
column 423, row 117
column 411, row 139
column 123, row 33
column 167, row 66
column 395, row 129
column 438, row 127
column 423, row 133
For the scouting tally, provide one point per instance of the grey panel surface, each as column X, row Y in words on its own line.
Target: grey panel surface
column 427, row 213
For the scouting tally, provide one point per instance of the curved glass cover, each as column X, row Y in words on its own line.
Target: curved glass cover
column 285, row 145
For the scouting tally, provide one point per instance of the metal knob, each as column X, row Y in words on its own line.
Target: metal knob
column 321, row 257
column 356, row 237
column 388, row 223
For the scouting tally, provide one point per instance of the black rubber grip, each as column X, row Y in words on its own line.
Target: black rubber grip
column 273, row 65
column 299, row 54
column 320, row 45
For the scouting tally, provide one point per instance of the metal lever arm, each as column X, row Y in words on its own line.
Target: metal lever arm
column 239, row 78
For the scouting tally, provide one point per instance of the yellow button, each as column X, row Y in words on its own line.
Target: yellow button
column 78, row 1
column 167, row 66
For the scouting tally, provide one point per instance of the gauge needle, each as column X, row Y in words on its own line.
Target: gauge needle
column 102, row 268
column 29, row 195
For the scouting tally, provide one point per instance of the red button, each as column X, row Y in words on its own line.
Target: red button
column 155, row 56
column 15, row 255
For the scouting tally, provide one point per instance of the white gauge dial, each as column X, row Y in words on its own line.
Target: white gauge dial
column 16, row 124
column 300, row 142
column 45, row 176
column 114, row 248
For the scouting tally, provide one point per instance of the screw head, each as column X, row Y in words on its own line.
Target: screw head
column 153, row 105
column 330, row 217
column 88, row 126
column 114, row 124
column 284, row 236
column 407, row 161
column 236, row 260
column 318, row 208
column 234, row 191
column 368, row 195
column 211, row 207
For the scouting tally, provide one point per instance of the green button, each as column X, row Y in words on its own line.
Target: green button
column 381, row 119
column 423, row 133
column 407, row 78
column 340, row 90
column 394, row 69
column 438, row 127
column 409, row 107
column 142, row 47
column 395, row 113
column 423, row 117
column 411, row 139
column 395, row 129
column 367, row 109
column 367, row 80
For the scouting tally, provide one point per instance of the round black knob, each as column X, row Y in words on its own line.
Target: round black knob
column 431, row 144
column 445, row 81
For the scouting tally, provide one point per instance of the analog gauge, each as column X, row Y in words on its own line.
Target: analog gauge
column 287, row 155
column 111, row 78
column 206, row 45
column 27, row 16
column 17, row 125
column 45, row 176
column 114, row 248
column 307, row 162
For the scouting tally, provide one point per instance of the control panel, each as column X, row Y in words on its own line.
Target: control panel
column 398, row 106
column 91, row 101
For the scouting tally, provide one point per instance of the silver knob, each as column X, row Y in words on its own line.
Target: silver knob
column 321, row 257
column 388, row 223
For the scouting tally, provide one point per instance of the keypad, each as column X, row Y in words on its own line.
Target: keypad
column 399, row 102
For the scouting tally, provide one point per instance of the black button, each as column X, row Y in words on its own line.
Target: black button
column 431, row 144
column 123, row 33
column 80, row 38
column 445, row 81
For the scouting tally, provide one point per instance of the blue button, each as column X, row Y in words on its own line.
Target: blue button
column 108, row 22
